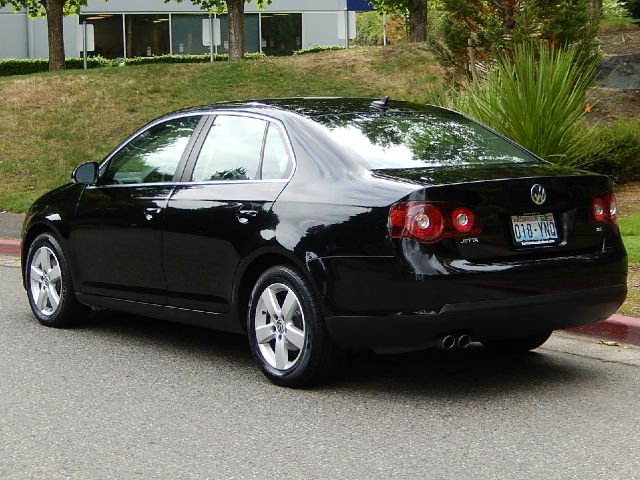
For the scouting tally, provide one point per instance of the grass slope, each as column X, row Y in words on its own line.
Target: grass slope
column 630, row 229
column 51, row 122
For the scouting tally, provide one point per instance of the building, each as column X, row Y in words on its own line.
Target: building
column 133, row 28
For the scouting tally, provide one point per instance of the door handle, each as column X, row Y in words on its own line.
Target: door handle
column 150, row 212
column 248, row 213
column 245, row 213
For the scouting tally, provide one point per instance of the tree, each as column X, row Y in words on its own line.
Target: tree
column 54, row 10
column 415, row 12
column 496, row 26
column 235, row 8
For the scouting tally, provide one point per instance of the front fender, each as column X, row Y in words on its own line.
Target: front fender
column 53, row 212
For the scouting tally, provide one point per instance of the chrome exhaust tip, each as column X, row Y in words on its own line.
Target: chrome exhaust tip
column 448, row 342
column 463, row 341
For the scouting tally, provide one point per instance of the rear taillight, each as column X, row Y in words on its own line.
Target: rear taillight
column 604, row 208
column 463, row 220
column 428, row 222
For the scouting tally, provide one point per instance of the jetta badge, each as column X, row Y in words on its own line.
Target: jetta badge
column 538, row 194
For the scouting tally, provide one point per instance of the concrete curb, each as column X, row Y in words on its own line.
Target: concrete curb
column 618, row 328
column 10, row 247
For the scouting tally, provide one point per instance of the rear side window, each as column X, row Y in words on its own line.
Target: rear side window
column 232, row 150
column 413, row 140
column 276, row 162
column 154, row 155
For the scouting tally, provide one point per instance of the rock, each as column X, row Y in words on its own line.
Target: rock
column 619, row 71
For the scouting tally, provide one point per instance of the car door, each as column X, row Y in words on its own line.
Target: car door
column 223, row 212
column 117, row 233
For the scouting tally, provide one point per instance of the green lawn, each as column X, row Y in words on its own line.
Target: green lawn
column 633, row 248
column 51, row 122
column 630, row 230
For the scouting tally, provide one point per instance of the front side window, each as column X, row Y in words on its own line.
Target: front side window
column 232, row 150
column 154, row 155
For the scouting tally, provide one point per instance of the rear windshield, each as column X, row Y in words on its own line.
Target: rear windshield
column 414, row 140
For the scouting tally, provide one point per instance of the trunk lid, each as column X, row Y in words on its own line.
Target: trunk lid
column 501, row 195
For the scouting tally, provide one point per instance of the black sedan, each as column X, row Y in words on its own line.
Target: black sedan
column 321, row 225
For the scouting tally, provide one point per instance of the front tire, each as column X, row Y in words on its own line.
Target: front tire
column 518, row 345
column 287, row 333
column 49, row 286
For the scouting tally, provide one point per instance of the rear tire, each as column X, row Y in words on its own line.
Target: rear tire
column 287, row 333
column 49, row 285
column 518, row 345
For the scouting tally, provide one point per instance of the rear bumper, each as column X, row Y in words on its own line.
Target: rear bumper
column 482, row 320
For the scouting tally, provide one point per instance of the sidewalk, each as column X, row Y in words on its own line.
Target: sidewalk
column 10, row 229
column 617, row 328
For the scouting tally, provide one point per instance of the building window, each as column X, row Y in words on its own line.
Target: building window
column 147, row 35
column 251, row 32
column 281, row 33
column 186, row 32
column 107, row 34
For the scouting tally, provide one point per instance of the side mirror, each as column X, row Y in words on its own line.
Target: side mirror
column 85, row 173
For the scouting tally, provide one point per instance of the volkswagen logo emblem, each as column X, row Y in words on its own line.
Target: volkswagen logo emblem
column 538, row 194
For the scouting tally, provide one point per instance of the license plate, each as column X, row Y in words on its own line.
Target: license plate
column 534, row 230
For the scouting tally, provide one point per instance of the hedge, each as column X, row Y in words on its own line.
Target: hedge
column 19, row 66
column 615, row 150
column 317, row 48
column 187, row 58
column 24, row 66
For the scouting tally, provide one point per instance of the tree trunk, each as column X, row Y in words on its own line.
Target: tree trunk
column 236, row 29
column 508, row 21
column 55, row 33
column 418, row 21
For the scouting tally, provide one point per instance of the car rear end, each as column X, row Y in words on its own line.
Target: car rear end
column 500, row 248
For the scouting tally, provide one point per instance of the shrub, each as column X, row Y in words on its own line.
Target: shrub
column 498, row 26
column 92, row 62
column 25, row 66
column 614, row 150
column 369, row 29
column 317, row 48
column 187, row 58
column 614, row 9
column 537, row 99
column 634, row 7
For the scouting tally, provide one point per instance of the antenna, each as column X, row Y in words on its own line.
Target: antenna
column 382, row 103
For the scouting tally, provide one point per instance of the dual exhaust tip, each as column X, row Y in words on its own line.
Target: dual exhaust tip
column 449, row 342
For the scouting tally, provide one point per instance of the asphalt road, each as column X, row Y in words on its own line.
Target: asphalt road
column 124, row 397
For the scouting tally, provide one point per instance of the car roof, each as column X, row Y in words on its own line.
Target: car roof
column 313, row 107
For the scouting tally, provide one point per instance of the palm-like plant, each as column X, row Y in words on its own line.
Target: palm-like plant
column 536, row 98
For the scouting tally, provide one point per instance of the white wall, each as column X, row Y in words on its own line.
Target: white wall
column 125, row 6
column 15, row 30
column 13, row 36
column 320, row 28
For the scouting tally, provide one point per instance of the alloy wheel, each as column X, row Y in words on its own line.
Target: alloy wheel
column 279, row 327
column 45, row 280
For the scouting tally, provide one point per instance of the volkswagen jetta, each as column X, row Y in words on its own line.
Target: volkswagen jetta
column 319, row 225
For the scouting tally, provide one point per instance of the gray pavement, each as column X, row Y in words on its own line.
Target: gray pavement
column 11, row 225
column 124, row 397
